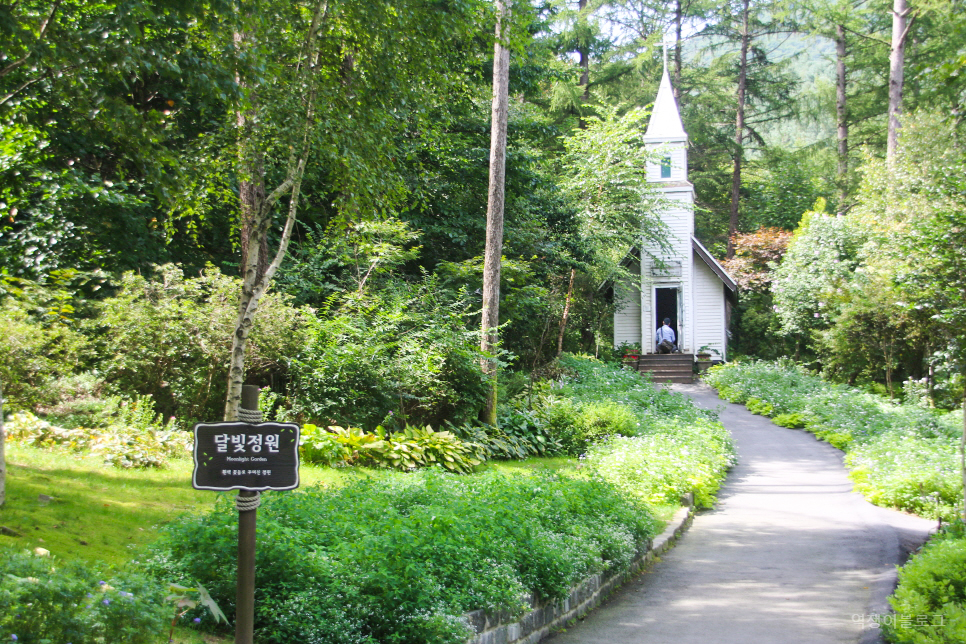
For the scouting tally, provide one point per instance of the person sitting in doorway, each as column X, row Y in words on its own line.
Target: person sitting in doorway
column 665, row 338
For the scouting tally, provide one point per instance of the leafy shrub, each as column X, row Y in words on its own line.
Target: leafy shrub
column 42, row 600
column 33, row 355
column 920, row 475
column 664, row 465
column 400, row 558
column 561, row 418
column 760, row 407
column 404, row 356
column 930, row 602
column 167, row 336
column 406, row 450
column 792, row 421
column 590, row 401
column 320, row 447
column 901, row 456
column 520, row 434
column 133, row 435
column 577, row 426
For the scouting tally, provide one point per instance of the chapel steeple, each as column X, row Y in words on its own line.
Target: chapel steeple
column 665, row 125
column 665, row 135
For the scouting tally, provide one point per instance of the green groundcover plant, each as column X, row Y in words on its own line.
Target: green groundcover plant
column 667, row 462
column 591, row 401
column 46, row 600
column 129, row 434
column 401, row 557
column 901, row 456
column 930, row 602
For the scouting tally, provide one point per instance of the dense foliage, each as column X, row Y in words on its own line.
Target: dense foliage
column 130, row 434
column 930, row 602
column 401, row 557
column 402, row 355
column 901, row 456
column 46, row 600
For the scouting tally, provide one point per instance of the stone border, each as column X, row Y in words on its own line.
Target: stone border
column 543, row 619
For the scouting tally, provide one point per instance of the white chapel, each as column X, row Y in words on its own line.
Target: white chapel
column 687, row 285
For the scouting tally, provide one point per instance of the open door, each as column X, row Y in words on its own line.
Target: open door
column 666, row 306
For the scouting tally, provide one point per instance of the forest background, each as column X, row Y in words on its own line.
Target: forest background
column 142, row 140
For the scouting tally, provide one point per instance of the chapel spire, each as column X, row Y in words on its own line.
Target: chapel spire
column 665, row 124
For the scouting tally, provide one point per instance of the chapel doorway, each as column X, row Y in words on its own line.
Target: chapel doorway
column 666, row 305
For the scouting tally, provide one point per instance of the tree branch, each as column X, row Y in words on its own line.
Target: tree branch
column 22, row 87
column 40, row 36
column 872, row 38
column 912, row 21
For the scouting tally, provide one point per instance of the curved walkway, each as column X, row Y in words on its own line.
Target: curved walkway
column 789, row 554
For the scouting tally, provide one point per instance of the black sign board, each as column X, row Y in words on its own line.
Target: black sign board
column 246, row 456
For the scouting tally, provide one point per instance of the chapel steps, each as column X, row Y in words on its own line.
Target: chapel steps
column 668, row 367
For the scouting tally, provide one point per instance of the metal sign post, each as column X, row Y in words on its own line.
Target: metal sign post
column 248, row 456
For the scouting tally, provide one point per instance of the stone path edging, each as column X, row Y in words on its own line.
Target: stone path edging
column 543, row 619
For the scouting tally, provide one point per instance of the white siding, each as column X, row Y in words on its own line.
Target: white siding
column 701, row 302
column 627, row 320
column 709, row 305
column 679, row 218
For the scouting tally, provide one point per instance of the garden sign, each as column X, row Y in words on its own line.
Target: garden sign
column 250, row 457
column 245, row 456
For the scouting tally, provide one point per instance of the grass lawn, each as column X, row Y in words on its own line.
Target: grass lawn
column 98, row 512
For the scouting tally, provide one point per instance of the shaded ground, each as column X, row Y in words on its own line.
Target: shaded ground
column 789, row 554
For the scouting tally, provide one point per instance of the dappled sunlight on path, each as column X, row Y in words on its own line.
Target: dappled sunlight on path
column 790, row 554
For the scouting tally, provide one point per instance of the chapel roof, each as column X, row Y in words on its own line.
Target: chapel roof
column 665, row 123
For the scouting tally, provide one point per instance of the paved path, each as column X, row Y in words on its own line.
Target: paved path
column 790, row 554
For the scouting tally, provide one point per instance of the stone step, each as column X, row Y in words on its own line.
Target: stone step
column 670, row 357
column 680, row 380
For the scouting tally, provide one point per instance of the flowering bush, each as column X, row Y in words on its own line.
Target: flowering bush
column 133, row 436
column 43, row 600
column 667, row 463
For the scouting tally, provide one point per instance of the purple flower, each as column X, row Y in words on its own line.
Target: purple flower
column 13, row 637
column 197, row 620
column 106, row 602
column 89, row 595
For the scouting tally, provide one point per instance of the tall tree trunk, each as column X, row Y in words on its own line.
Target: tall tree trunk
column 739, row 129
column 584, row 51
column 842, row 115
column 962, row 455
column 256, row 275
column 566, row 313
column 3, row 454
column 900, row 29
column 494, row 210
column 678, row 18
column 251, row 184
